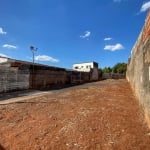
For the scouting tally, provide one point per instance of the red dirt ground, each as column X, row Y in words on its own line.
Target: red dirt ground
column 102, row 115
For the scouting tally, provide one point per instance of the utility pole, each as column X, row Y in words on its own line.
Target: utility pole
column 33, row 49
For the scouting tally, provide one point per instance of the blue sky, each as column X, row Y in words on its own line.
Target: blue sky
column 71, row 31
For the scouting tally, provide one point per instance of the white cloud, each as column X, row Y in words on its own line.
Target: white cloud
column 115, row 47
column 145, row 6
column 2, row 31
column 45, row 58
column 107, row 39
column 9, row 46
column 3, row 55
column 86, row 35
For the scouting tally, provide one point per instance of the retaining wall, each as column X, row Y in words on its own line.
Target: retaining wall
column 138, row 69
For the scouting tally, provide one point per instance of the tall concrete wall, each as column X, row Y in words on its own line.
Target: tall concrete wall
column 138, row 69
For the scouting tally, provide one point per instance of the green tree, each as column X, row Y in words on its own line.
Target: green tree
column 107, row 70
column 120, row 68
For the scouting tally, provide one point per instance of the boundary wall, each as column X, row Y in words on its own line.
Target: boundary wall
column 20, row 75
column 138, row 69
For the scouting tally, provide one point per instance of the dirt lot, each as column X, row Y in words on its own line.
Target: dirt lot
column 98, row 116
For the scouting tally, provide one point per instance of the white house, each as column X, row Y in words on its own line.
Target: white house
column 85, row 67
column 91, row 67
column 3, row 59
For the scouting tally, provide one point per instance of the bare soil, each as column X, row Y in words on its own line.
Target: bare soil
column 102, row 115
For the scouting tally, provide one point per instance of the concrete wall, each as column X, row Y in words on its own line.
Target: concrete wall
column 20, row 75
column 113, row 76
column 138, row 69
column 12, row 77
column 76, row 77
column 53, row 77
column 43, row 77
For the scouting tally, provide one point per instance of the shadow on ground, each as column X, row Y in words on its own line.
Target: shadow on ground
column 21, row 93
column 14, row 94
column 1, row 147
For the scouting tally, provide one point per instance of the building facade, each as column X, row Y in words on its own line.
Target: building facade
column 91, row 67
column 85, row 67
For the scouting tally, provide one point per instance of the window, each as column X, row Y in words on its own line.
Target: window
column 76, row 67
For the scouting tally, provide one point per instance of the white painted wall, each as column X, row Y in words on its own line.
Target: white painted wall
column 3, row 60
column 85, row 67
column 88, row 67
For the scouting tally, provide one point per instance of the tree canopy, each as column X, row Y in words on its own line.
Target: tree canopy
column 118, row 68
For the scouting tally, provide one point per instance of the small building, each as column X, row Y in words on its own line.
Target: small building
column 85, row 67
column 91, row 67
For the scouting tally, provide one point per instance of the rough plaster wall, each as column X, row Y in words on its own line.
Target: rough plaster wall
column 19, row 75
column 95, row 74
column 47, row 78
column 50, row 79
column 146, row 80
column 12, row 78
column 138, row 73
